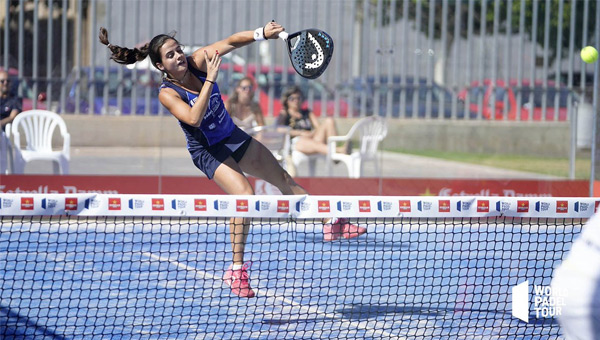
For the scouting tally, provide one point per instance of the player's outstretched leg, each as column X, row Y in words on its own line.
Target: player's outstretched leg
column 231, row 179
column 259, row 162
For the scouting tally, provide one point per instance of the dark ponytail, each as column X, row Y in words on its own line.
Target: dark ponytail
column 123, row 55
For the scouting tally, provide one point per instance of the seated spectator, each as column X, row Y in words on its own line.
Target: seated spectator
column 10, row 105
column 308, row 135
column 244, row 111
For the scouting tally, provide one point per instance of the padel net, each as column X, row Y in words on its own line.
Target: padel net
column 100, row 266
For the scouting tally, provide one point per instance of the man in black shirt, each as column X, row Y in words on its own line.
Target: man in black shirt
column 10, row 105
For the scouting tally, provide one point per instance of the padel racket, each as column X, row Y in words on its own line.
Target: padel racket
column 310, row 51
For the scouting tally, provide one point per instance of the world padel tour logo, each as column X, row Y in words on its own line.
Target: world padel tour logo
column 384, row 206
column 547, row 303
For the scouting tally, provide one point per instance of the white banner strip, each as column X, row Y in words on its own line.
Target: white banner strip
column 294, row 206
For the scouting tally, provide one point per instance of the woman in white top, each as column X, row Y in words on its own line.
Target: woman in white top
column 244, row 111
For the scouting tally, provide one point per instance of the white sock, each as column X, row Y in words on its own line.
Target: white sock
column 237, row 266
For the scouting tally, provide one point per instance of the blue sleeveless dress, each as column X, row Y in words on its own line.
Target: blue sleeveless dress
column 217, row 137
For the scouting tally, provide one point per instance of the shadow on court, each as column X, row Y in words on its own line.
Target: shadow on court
column 14, row 326
column 364, row 312
column 362, row 242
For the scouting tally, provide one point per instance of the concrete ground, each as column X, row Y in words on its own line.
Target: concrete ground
column 175, row 161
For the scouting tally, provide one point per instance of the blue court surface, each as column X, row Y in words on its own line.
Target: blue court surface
column 161, row 279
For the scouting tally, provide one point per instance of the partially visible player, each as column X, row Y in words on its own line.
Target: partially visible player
column 218, row 148
column 577, row 281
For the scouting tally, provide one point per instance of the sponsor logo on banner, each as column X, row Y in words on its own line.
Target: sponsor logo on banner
column 221, row 205
column 562, row 207
column 581, row 206
column 423, row 205
column 444, row 206
column 136, row 204
column 114, row 203
column 463, row 205
column 91, row 203
column 262, row 205
column 483, row 206
column 200, row 204
column 404, row 205
column 6, row 203
column 522, row 206
column 48, row 203
column 71, row 203
column 178, row 204
column 26, row 203
column 158, row 204
column 283, row 206
column 502, row 206
column 241, row 205
column 384, row 206
column 542, row 206
column 323, row 206
column 364, row 206
column 344, row 206
column 302, row 206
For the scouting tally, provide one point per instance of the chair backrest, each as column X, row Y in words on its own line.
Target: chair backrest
column 38, row 127
column 371, row 131
column 275, row 138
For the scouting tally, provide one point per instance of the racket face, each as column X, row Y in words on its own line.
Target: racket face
column 310, row 52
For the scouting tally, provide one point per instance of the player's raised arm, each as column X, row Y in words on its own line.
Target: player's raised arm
column 270, row 31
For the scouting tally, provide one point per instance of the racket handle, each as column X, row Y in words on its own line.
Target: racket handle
column 283, row 35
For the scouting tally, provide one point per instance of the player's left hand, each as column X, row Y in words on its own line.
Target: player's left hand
column 272, row 30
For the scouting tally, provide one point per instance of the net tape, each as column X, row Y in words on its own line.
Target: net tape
column 294, row 206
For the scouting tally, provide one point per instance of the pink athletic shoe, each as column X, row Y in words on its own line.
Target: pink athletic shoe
column 341, row 227
column 238, row 281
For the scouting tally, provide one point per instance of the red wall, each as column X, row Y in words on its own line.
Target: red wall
column 315, row 186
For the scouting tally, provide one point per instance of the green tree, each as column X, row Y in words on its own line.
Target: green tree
column 482, row 19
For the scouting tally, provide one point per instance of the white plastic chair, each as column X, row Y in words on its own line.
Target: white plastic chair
column 370, row 131
column 276, row 139
column 38, row 127
column 299, row 157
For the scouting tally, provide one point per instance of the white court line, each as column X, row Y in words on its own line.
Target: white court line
column 271, row 294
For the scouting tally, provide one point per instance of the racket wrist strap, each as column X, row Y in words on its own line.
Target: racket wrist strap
column 259, row 34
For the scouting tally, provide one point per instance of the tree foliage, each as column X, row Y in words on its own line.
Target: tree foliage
column 482, row 17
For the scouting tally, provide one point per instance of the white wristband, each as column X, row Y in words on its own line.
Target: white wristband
column 258, row 34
